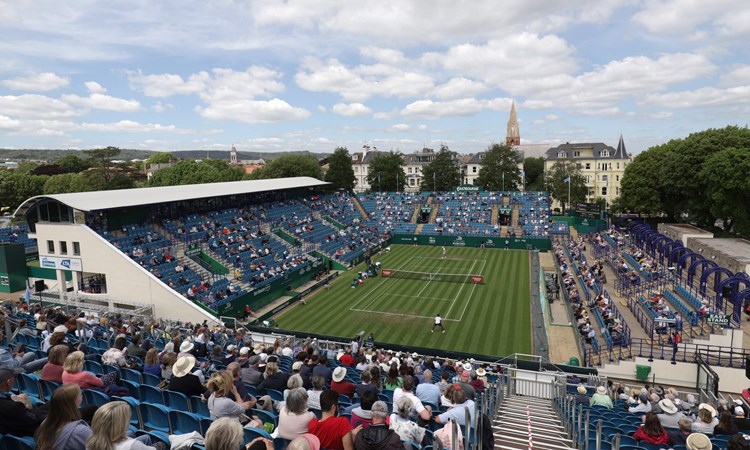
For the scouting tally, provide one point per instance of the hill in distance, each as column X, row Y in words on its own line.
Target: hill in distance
column 128, row 154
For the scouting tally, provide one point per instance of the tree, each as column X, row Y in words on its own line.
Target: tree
column 101, row 158
column 533, row 169
column 340, row 171
column 725, row 174
column 386, row 172
column 16, row 187
column 442, row 174
column 642, row 189
column 192, row 172
column 291, row 165
column 575, row 185
column 47, row 169
column 72, row 164
column 59, row 184
column 499, row 171
column 161, row 158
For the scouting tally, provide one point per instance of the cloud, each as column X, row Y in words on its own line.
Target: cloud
column 351, row 109
column 37, row 82
column 400, row 127
column 253, row 111
column 35, row 106
column 459, row 87
column 94, row 87
column 702, row 97
column 166, row 84
column 104, row 102
column 428, row 109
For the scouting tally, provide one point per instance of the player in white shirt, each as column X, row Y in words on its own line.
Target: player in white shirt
column 438, row 323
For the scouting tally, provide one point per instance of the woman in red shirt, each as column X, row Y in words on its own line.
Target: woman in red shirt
column 651, row 431
column 73, row 373
column 53, row 370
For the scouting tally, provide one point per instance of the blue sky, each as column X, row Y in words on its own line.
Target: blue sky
column 273, row 75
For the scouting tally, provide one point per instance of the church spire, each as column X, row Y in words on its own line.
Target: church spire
column 513, row 134
column 621, row 152
column 233, row 156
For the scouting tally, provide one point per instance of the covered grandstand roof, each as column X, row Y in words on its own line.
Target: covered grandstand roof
column 99, row 200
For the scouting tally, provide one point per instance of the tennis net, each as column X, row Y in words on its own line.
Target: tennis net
column 433, row 276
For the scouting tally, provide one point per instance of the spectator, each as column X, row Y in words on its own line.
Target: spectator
column 224, row 434
column 475, row 382
column 458, row 411
column 678, row 437
column 738, row 442
column 581, row 398
column 294, row 417
column 418, row 409
column 323, row 370
column 53, row 370
column 366, row 384
column 109, row 430
column 482, row 375
column 669, row 416
column 407, row 429
column 600, row 398
column 167, row 362
column 361, row 412
column 294, row 382
column 21, row 358
column 115, row 356
column 392, row 381
column 340, row 385
column 313, row 396
column 305, row 442
column 274, row 378
column 335, row 433
column 73, row 373
column 698, row 441
column 225, row 401
column 643, row 406
column 63, row 428
column 426, row 391
column 16, row 413
column 651, row 431
column 134, row 348
column 182, row 380
column 726, row 424
column 706, row 420
column 378, row 436
column 250, row 374
column 151, row 363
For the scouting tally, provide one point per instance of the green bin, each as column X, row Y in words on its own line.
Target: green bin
column 573, row 361
column 642, row 372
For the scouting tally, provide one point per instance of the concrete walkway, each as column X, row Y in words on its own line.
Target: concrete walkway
column 561, row 334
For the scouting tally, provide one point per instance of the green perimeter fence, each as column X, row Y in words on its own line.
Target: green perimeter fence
column 541, row 244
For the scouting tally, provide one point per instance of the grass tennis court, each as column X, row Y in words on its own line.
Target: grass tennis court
column 491, row 318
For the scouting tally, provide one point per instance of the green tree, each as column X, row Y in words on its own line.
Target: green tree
column 340, row 171
column 15, row 187
column 59, row 184
column 72, row 164
column 533, row 169
column 442, row 174
column 87, row 181
column 47, row 169
column 575, row 185
column 161, row 158
column 499, row 169
column 192, row 172
column 386, row 172
column 101, row 158
column 642, row 189
column 291, row 165
column 26, row 167
column 725, row 174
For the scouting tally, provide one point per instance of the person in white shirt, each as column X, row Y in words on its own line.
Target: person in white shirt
column 425, row 412
column 438, row 323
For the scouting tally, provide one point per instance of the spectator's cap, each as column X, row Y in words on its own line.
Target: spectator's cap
column 667, row 406
column 271, row 358
column 481, row 372
column 698, row 441
column 395, row 360
column 231, row 347
column 244, row 351
column 186, row 346
column 7, row 372
column 737, row 401
column 601, row 390
column 296, row 366
column 258, row 348
column 709, row 408
column 183, row 366
column 380, row 406
column 253, row 360
column 464, row 375
column 60, row 329
column 312, row 440
column 415, row 355
column 581, row 389
column 658, row 391
column 739, row 412
column 338, row 374
column 467, row 367
column 643, row 398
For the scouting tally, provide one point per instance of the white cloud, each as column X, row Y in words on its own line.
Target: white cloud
column 129, row 126
column 702, row 97
column 428, row 109
column 36, row 107
column 37, row 82
column 459, row 87
column 94, row 87
column 401, row 127
column 659, row 115
column 351, row 109
column 253, row 111
column 739, row 76
column 322, row 108
column 104, row 102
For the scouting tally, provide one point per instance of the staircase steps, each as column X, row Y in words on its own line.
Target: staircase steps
column 418, row 230
column 495, row 214
column 514, row 217
column 361, row 209
column 434, row 213
column 520, row 417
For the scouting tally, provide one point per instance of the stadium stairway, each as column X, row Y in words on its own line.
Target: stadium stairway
column 514, row 217
column 434, row 213
column 528, row 422
column 495, row 214
column 361, row 209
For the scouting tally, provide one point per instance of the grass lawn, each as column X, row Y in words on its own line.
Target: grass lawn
column 491, row 318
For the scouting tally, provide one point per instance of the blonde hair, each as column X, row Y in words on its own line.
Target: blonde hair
column 152, row 357
column 271, row 368
column 224, row 433
column 109, row 426
column 73, row 362
column 294, row 381
column 57, row 354
column 221, row 383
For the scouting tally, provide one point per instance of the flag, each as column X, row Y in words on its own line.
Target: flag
column 433, row 176
column 27, row 294
column 567, row 180
column 522, row 174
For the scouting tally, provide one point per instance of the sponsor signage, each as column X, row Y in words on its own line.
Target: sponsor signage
column 588, row 210
column 386, row 273
column 468, row 188
column 477, row 279
column 56, row 262
column 719, row 320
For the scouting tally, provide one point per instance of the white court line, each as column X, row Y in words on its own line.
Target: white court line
column 375, row 289
column 459, row 292
column 427, row 284
column 426, row 298
column 400, row 314
column 385, row 290
column 471, row 295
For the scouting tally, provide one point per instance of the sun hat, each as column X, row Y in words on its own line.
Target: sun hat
column 338, row 374
column 258, row 348
column 698, row 441
column 186, row 346
column 379, row 406
column 231, row 347
column 738, row 411
column 481, row 372
column 601, row 390
column 654, row 398
column 183, row 366
column 667, row 406
column 467, row 366
column 244, row 351
column 60, row 329
column 708, row 407
column 296, row 366
column 312, row 440
column 737, row 401
column 581, row 389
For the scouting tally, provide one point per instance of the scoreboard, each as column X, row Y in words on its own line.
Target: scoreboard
column 588, row 210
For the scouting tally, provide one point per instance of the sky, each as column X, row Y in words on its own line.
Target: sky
column 275, row 75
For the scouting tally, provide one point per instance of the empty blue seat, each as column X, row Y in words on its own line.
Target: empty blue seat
column 93, row 367
column 29, row 384
column 150, row 394
column 198, row 406
column 132, row 387
column 252, row 433
column 183, row 422
column 150, row 379
column 176, row 400
column 92, row 397
column 48, row 387
column 131, row 375
column 154, row 417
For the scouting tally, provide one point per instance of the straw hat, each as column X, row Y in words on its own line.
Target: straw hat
column 183, row 366
column 296, row 366
column 698, row 441
column 708, row 407
column 581, row 389
column 186, row 346
column 601, row 390
column 338, row 374
column 467, row 366
column 481, row 372
column 231, row 347
column 667, row 406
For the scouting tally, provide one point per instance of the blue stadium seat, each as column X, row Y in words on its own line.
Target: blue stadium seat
column 265, row 416
column 150, row 379
column 94, row 367
column 252, row 433
column 10, row 442
column 155, row 436
column 275, row 395
column 48, row 387
column 29, row 384
column 176, row 400
column 154, row 417
column 150, row 394
column 92, row 397
column 198, row 406
column 183, row 422
column 131, row 375
column 132, row 388
column 135, row 418
column 205, row 423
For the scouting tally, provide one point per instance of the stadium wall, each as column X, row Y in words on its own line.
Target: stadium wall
column 126, row 279
column 542, row 244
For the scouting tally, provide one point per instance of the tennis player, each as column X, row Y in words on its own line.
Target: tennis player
column 438, row 322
